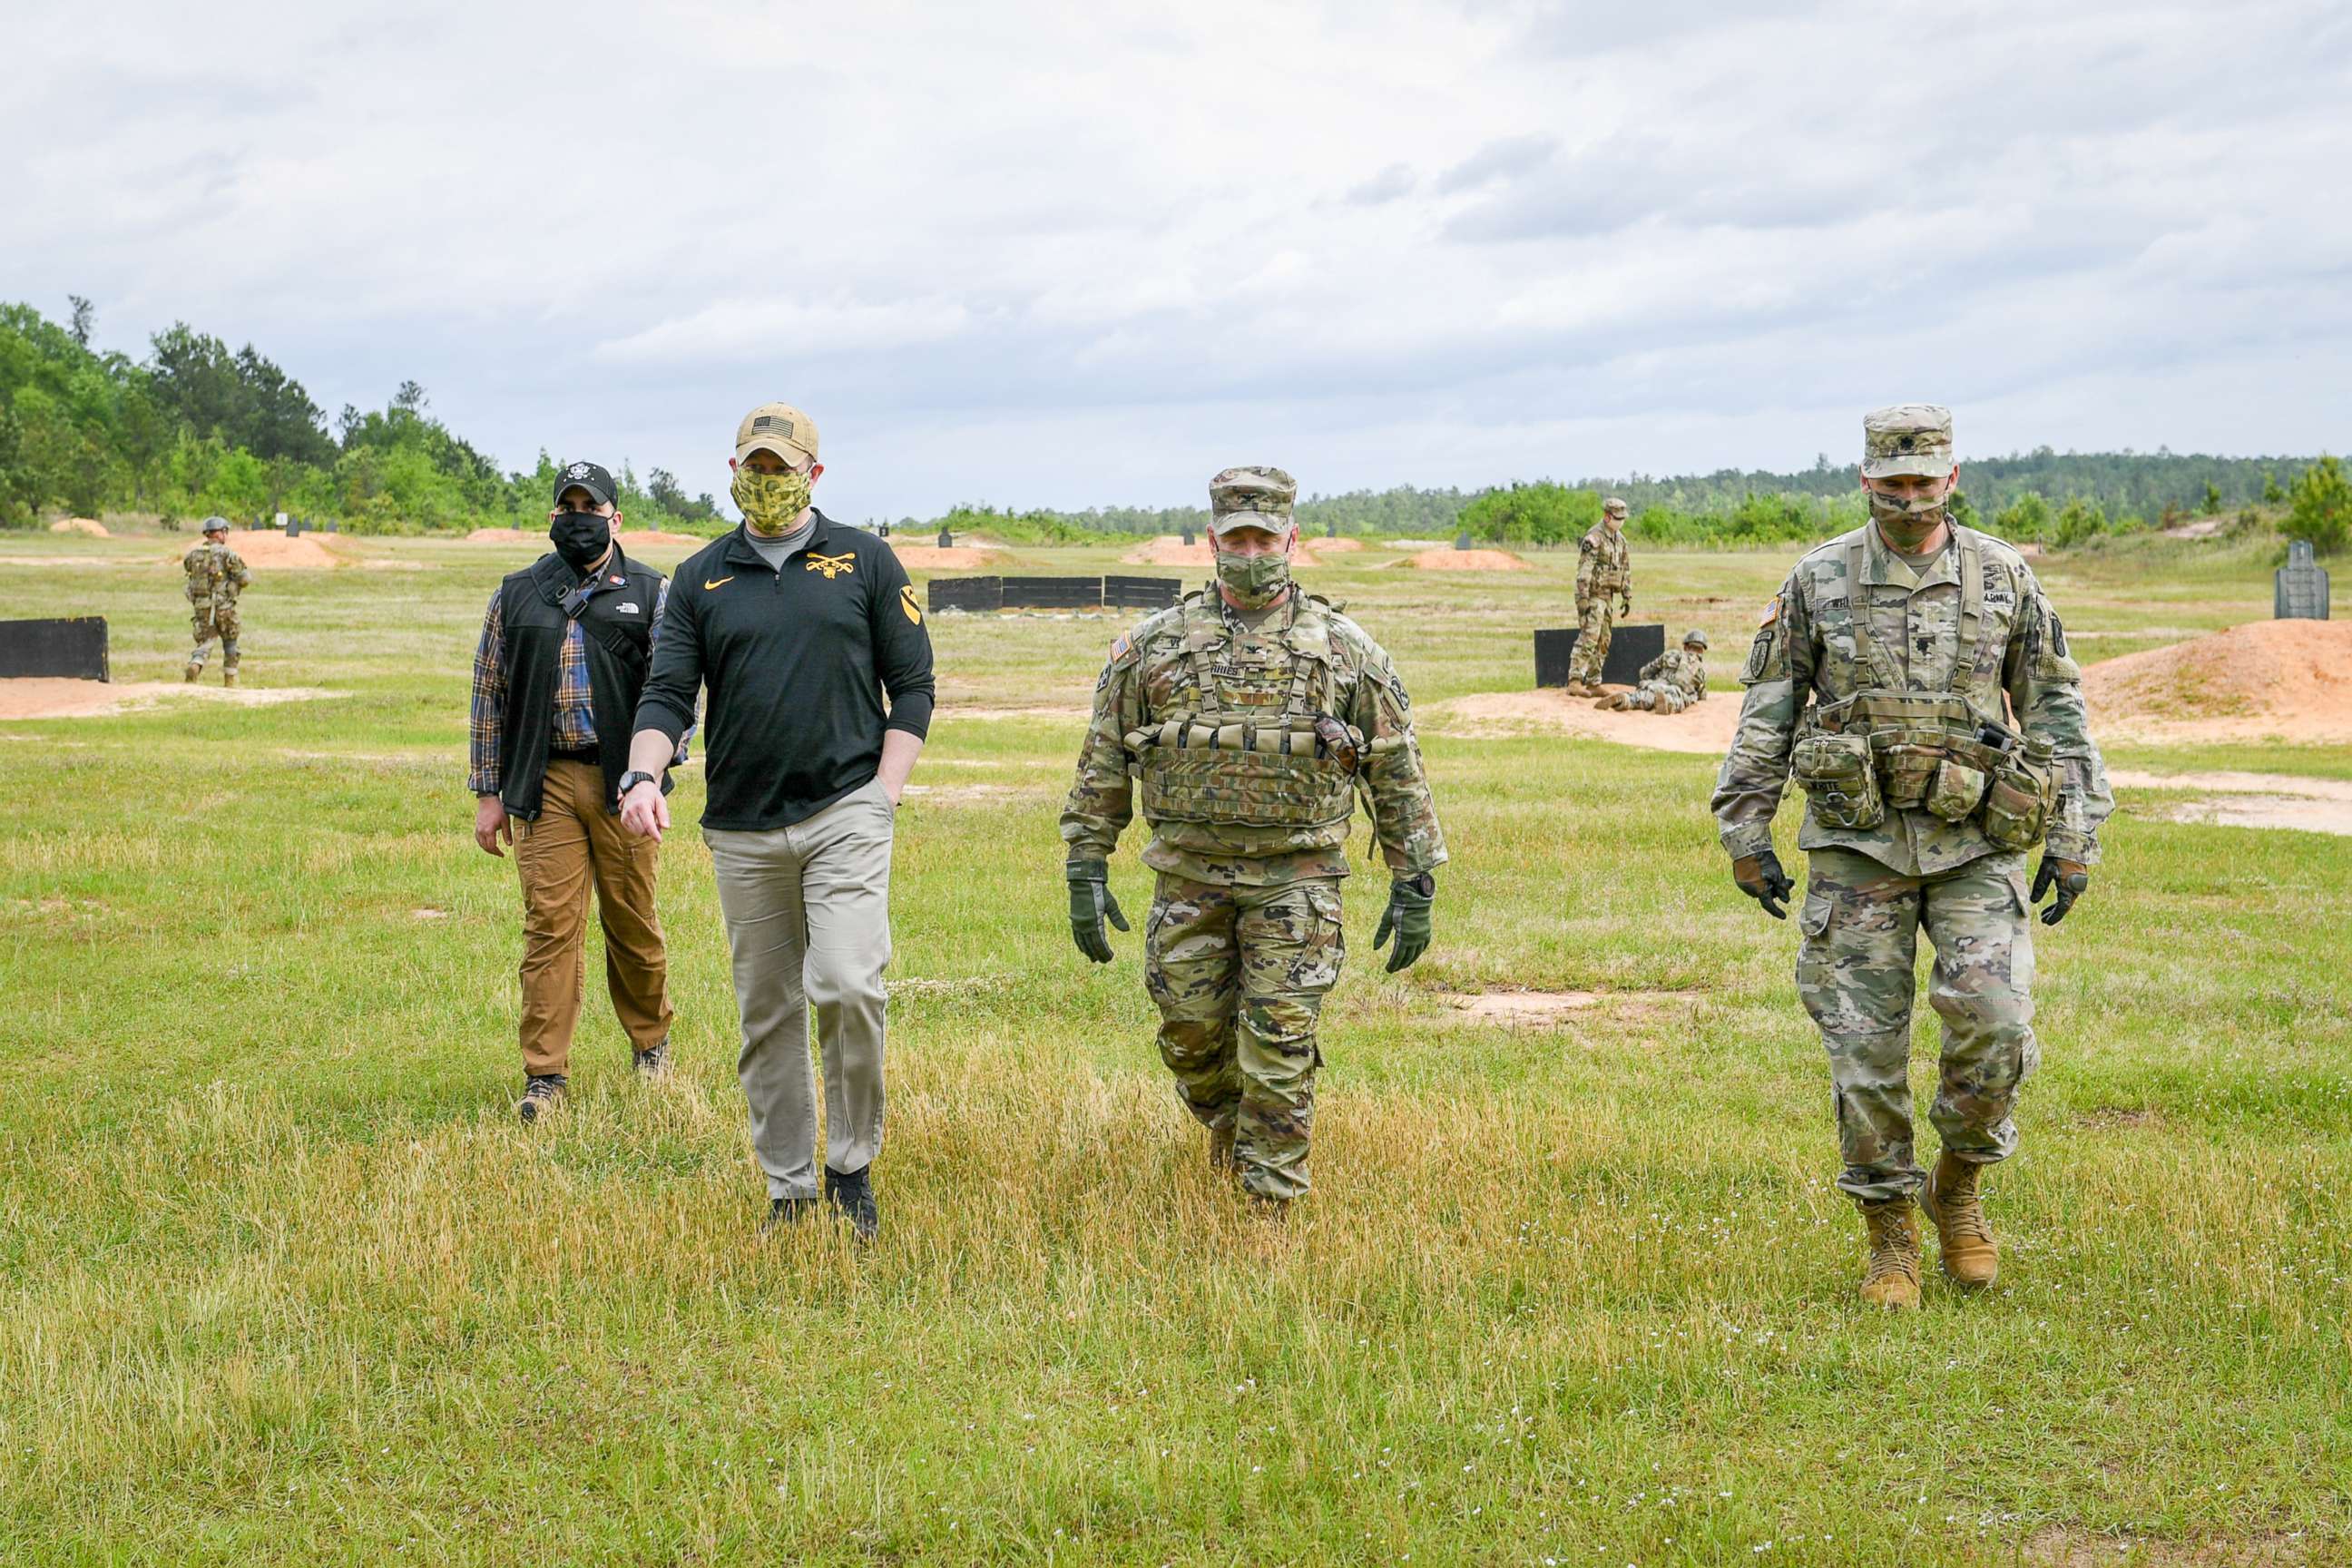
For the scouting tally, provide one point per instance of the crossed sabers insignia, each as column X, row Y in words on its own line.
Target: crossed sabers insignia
column 833, row 565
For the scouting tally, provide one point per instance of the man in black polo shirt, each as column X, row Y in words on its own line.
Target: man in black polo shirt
column 562, row 663
column 799, row 627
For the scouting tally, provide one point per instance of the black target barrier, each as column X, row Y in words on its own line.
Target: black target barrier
column 1630, row 647
column 967, row 593
column 73, row 648
column 1142, row 592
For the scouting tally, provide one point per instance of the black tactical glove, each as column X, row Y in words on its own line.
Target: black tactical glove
column 1407, row 917
column 2071, row 879
column 1761, row 878
column 1090, row 903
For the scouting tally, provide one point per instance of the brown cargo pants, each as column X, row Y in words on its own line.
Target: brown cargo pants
column 575, row 842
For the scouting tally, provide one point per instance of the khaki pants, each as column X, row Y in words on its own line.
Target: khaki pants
column 808, row 922
column 576, row 841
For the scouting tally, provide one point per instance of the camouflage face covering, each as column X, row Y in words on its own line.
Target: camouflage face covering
column 772, row 502
column 1908, row 524
column 1252, row 581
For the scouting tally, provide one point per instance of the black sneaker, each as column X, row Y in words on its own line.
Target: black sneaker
column 543, row 1092
column 784, row 1212
column 655, row 1063
column 854, row 1195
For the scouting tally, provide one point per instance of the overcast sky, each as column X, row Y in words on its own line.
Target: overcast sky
column 1066, row 255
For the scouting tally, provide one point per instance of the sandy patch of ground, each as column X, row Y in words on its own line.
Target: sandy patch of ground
column 57, row 698
column 1450, row 560
column 1521, row 1009
column 2291, row 679
column 87, row 562
column 956, row 558
column 2251, row 800
column 655, row 536
column 269, row 549
column 976, row 794
column 1336, row 545
column 1169, row 550
column 1702, row 728
column 503, row 536
column 2197, row 527
column 88, row 525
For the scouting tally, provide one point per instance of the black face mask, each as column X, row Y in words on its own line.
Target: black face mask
column 581, row 538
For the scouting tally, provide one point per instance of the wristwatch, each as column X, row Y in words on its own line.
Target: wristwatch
column 1424, row 884
column 634, row 777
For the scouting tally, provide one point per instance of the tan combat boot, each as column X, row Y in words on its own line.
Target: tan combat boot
column 192, row 672
column 228, row 678
column 1963, row 1235
column 1891, row 1276
column 1579, row 688
column 1222, row 1158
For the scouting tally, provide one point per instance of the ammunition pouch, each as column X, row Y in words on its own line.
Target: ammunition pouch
column 1251, row 773
column 1840, row 778
column 2018, row 806
column 1956, row 791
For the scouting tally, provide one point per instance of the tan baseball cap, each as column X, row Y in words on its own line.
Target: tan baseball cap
column 781, row 428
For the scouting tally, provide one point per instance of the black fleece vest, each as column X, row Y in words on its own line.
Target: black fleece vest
column 618, row 630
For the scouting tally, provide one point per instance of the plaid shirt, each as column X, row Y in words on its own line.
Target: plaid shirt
column 575, row 720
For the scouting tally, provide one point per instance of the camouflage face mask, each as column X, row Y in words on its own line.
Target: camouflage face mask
column 772, row 502
column 1908, row 524
column 1253, row 582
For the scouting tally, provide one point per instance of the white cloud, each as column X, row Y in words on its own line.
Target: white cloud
column 1064, row 255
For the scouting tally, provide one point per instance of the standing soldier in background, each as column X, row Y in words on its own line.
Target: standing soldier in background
column 1670, row 682
column 1604, row 590
column 1914, row 678
column 216, row 576
column 1251, row 713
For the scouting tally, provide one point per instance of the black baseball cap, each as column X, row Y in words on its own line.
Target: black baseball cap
column 589, row 477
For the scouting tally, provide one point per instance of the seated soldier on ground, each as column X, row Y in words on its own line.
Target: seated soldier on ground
column 1670, row 682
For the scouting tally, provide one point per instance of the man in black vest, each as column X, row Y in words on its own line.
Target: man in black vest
column 566, row 643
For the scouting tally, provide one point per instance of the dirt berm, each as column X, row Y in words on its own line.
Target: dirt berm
column 2290, row 680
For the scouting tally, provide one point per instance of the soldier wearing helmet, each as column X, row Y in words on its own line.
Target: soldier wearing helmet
column 216, row 576
column 1670, row 682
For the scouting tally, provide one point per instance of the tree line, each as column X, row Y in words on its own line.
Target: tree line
column 196, row 428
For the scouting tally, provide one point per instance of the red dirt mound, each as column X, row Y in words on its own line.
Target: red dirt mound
column 1468, row 561
column 2290, row 679
column 90, row 526
column 1169, row 550
column 931, row 558
column 269, row 548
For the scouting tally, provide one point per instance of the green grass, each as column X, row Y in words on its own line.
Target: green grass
column 281, row 1282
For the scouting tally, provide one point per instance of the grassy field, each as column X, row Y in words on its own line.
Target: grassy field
column 282, row 1282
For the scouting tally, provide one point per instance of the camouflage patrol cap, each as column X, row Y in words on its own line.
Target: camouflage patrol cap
column 215, row 525
column 1907, row 438
column 782, row 430
column 1613, row 506
column 1694, row 639
column 1251, row 496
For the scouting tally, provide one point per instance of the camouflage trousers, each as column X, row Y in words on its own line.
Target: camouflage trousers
column 222, row 622
column 1658, row 697
column 1240, row 974
column 1854, row 970
column 1596, row 624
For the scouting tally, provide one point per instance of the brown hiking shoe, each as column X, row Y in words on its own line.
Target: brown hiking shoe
column 1222, row 1158
column 1963, row 1235
column 1891, row 1276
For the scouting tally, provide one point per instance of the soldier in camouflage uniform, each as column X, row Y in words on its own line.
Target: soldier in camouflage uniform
column 1604, row 590
column 1251, row 714
column 1670, row 682
column 1914, row 678
column 216, row 576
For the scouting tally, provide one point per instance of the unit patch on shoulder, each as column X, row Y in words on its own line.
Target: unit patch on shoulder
column 906, row 603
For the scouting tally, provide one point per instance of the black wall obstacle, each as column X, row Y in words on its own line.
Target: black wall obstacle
column 1630, row 647
column 983, row 594
column 73, row 648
